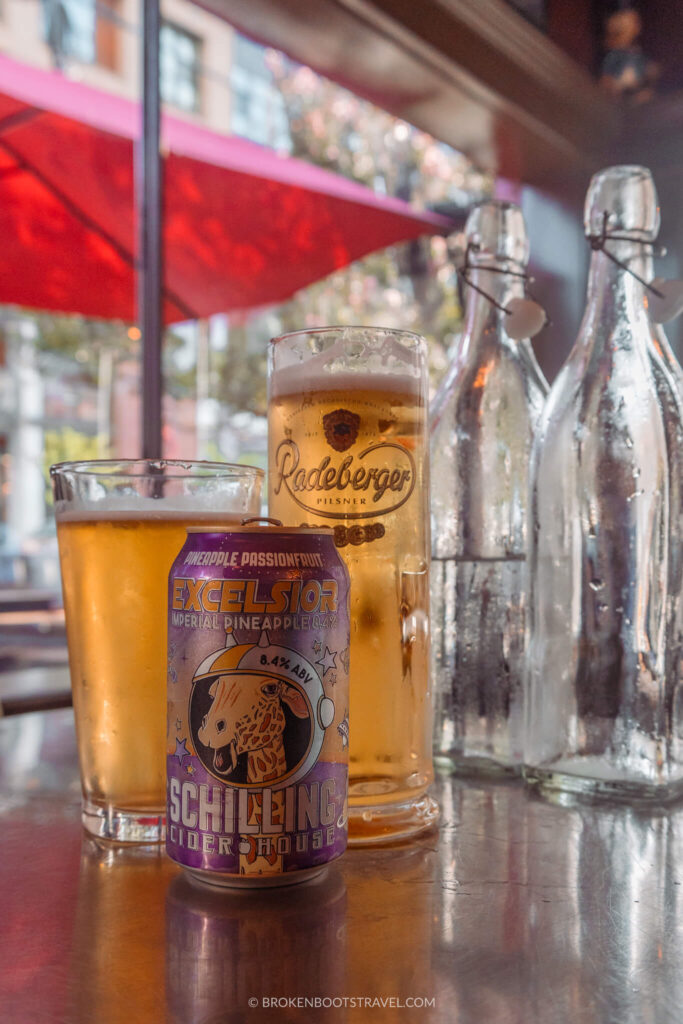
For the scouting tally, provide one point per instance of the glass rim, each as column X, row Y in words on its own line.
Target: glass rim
column 502, row 204
column 620, row 171
column 340, row 328
column 108, row 468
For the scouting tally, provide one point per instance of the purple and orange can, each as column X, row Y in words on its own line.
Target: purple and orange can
column 258, row 714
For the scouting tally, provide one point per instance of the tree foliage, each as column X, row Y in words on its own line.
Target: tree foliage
column 410, row 286
column 65, row 445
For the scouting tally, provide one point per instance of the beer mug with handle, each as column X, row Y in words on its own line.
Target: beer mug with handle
column 347, row 448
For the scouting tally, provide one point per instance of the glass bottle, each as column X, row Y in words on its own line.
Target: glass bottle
column 669, row 383
column 483, row 421
column 606, row 540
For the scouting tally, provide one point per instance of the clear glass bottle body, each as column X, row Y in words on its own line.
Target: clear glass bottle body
column 604, row 557
column 669, row 382
column 482, row 425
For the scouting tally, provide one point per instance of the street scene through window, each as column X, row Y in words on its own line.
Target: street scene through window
column 69, row 371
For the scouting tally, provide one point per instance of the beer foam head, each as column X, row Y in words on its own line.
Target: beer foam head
column 349, row 359
column 155, row 489
column 205, row 508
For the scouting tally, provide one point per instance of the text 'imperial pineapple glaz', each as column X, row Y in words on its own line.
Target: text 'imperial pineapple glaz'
column 347, row 448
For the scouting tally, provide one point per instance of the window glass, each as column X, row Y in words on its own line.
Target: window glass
column 258, row 106
column 70, row 27
column 179, row 68
column 70, row 383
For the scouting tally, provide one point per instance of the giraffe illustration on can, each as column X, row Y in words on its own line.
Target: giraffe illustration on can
column 256, row 775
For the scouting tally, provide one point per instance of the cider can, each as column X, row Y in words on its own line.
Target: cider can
column 258, row 716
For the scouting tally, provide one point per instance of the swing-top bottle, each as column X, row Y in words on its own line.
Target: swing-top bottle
column 602, row 699
column 483, row 422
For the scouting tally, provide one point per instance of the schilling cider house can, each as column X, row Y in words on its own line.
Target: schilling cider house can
column 258, row 662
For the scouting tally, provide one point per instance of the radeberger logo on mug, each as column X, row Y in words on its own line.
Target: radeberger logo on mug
column 373, row 482
column 341, row 428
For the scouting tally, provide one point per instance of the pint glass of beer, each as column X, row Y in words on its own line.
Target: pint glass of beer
column 120, row 525
column 348, row 448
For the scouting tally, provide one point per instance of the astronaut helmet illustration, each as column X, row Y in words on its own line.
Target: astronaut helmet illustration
column 258, row 714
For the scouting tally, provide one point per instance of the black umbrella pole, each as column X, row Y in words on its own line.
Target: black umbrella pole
column 150, row 274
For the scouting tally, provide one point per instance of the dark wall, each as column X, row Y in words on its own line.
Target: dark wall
column 576, row 27
column 662, row 40
column 558, row 264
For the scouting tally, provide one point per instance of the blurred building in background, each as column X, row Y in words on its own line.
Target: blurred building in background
column 517, row 85
column 70, row 386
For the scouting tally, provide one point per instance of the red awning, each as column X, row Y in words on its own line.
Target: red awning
column 243, row 227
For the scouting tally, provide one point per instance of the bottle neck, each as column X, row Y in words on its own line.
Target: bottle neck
column 614, row 294
column 643, row 263
column 482, row 317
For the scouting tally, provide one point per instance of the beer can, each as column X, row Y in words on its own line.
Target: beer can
column 257, row 739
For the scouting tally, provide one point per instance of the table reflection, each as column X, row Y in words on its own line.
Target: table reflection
column 392, row 906
column 482, row 926
column 620, row 937
column 224, row 948
column 554, row 912
column 117, row 970
column 518, row 911
column 318, row 939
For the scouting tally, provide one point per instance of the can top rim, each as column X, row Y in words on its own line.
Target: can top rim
column 326, row 530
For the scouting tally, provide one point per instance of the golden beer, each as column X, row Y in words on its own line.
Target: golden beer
column 115, row 564
column 348, row 450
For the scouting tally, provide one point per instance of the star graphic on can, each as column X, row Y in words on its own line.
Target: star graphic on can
column 317, row 646
column 172, row 674
column 328, row 660
column 190, row 769
column 181, row 750
column 343, row 730
column 332, row 679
